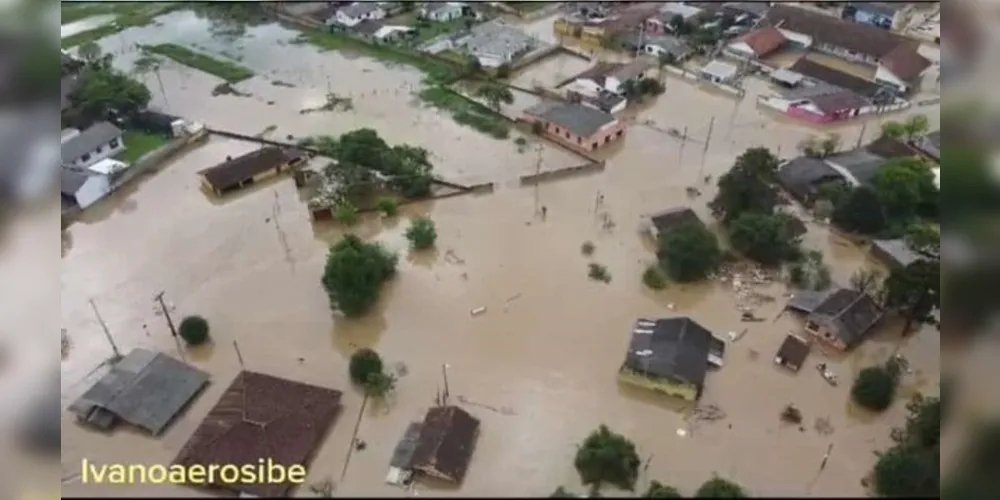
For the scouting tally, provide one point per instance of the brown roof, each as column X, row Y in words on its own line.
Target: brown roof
column 890, row 148
column 812, row 69
column 262, row 416
column 446, row 442
column 830, row 30
column 905, row 62
column 793, row 352
column 232, row 172
column 629, row 17
column 764, row 41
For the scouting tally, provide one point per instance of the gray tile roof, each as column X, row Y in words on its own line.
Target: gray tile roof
column 146, row 389
column 402, row 454
column 862, row 165
column 806, row 301
column 673, row 348
column 580, row 120
column 88, row 140
column 71, row 180
column 359, row 9
column 849, row 314
column 673, row 45
column 896, row 251
column 803, row 175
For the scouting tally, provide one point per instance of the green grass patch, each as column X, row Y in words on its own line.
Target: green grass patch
column 435, row 69
column 129, row 15
column 467, row 112
column 71, row 12
column 430, row 29
column 228, row 71
column 139, row 143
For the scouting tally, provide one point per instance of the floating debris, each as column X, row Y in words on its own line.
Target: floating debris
column 333, row 103
column 791, row 415
column 279, row 83
column 477, row 311
column 823, row 426
column 228, row 89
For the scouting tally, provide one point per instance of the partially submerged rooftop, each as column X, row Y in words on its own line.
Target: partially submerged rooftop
column 580, row 120
column 674, row 349
column 672, row 219
column 447, row 440
column 234, row 171
column 895, row 252
column 146, row 389
column 265, row 416
column 848, row 314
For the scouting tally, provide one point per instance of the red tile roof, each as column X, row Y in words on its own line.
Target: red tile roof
column 262, row 416
column 764, row 41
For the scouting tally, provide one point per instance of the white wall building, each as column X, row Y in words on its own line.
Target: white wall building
column 102, row 140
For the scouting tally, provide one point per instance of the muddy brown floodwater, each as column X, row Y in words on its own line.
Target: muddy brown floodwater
column 538, row 367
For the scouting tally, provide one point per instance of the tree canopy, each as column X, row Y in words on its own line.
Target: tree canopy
column 861, row 212
column 194, row 330
column 689, row 253
column 354, row 274
column 607, row 457
column 495, row 95
column 364, row 363
column 915, row 291
column 748, row 186
column 909, row 130
column 103, row 90
column 659, row 490
column 904, row 186
column 875, row 387
column 720, row 488
column 911, row 468
column 763, row 238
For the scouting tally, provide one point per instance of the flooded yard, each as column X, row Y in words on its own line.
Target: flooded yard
column 538, row 367
column 550, row 71
column 85, row 24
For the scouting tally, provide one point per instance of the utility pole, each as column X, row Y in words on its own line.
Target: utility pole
column 239, row 356
column 163, row 92
column 444, row 396
column 861, row 136
column 170, row 323
column 107, row 333
column 680, row 154
column 538, row 172
column 704, row 151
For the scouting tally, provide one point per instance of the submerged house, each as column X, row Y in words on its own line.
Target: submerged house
column 575, row 125
column 250, row 168
column 757, row 44
column 661, row 224
column 671, row 356
column 793, row 353
column 99, row 141
column 447, row 440
column 843, row 319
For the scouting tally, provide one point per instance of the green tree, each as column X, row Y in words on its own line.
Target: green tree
column 747, row 186
column 364, row 364
column 875, row 387
column 104, row 90
column 679, row 25
column 659, row 490
column 906, row 472
column 720, row 488
column 562, row 493
column 902, row 185
column 915, row 291
column 607, row 457
column 894, row 130
column 650, row 86
column 653, row 277
column 916, row 126
column 347, row 214
column 388, row 207
column 422, row 233
column 868, row 281
column 861, row 212
column 354, row 274
column 472, row 66
column 924, row 239
column 379, row 385
column 194, row 330
column 689, row 253
column 495, row 95
column 763, row 238
column 830, row 144
column 665, row 59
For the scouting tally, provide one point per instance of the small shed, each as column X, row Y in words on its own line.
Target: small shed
column 895, row 253
column 662, row 223
column 250, row 168
column 447, row 439
column 146, row 389
column 793, row 353
column 719, row 72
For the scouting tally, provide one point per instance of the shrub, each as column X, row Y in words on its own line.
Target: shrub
column 354, row 274
column 364, row 365
column 587, row 248
column 653, row 277
column 347, row 214
column 874, row 388
column 598, row 272
column 720, row 488
column 607, row 457
column 388, row 207
column 659, row 490
column 422, row 233
column 194, row 330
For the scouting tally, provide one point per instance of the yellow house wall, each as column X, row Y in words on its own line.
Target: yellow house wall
column 680, row 390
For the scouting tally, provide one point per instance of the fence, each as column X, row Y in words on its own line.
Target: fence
column 562, row 173
column 322, row 213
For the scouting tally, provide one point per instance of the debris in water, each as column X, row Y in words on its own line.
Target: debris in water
column 323, row 489
column 670, row 306
column 735, row 337
column 302, row 360
column 682, row 432
column 512, row 298
column 477, row 311
column 401, row 369
column 228, row 89
column 823, row 426
column 333, row 103
column 279, row 83
column 791, row 415
column 360, row 445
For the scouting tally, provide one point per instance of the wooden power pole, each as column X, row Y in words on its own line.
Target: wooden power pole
column 170, row 323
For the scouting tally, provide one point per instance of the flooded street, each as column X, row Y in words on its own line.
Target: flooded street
column 538, row 367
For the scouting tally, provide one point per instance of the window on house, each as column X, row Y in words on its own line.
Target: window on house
column 567, row 135
column 812, row 325
column 619, row 133
column 607, row 139
column 98, row 150
column 114, row 143
column 593, row 146
column 579, row 140
column 85, row 157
